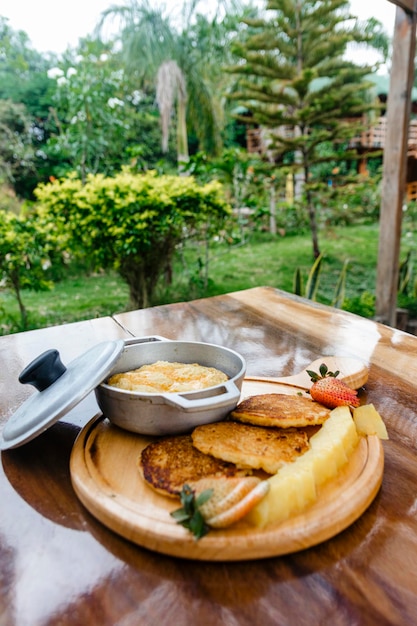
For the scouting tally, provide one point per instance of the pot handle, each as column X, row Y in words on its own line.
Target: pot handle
column 148, row 339
column 211, row 398
column 43, row 371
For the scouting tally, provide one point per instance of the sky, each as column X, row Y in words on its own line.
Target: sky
column 53, row 25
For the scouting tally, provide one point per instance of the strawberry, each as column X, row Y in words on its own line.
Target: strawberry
column 330, row 391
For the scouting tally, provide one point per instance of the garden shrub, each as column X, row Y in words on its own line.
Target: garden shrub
column 362, row 304
column 131, row 222
column 26, row 250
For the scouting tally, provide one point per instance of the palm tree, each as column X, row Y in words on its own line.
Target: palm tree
column 183, row 61
column 170, row 83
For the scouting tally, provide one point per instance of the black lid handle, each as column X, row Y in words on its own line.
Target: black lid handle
column 43, row 371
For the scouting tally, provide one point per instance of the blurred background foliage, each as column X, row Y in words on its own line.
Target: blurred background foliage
column 166, row 94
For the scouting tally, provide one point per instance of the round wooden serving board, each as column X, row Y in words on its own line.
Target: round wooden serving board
column 106, row 479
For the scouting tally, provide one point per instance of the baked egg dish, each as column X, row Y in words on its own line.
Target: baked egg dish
column 167, row 376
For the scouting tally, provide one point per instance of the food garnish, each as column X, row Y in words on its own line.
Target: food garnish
column 232, row 499
column 189, row 514
column 330, row 391
column 218, row 502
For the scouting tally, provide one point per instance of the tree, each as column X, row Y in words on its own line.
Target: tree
column 25, row 255
column 90, row 110
column 17, row 153
column 103, row 120
column 131, row 222
column 170, row 86
column 296, row 82
column 182, row 58
column 25, row 86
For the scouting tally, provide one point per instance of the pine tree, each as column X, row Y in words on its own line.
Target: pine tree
column 295, row 81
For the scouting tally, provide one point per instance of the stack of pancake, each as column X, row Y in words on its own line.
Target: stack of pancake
column 234, row 456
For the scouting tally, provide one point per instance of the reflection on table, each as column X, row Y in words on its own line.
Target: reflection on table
column 61, row 566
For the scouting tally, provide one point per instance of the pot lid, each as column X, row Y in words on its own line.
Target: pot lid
column 60, row 388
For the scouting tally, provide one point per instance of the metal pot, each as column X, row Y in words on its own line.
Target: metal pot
column 61, row 387
column 171, row 413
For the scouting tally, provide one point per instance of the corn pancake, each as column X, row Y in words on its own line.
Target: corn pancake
column 280, row 410
column 167, row 464
column 166, row 376
column 250, row 446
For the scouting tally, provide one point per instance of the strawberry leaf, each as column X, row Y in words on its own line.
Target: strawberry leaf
column 323, row 369
column 313, row 375
column 324, row 372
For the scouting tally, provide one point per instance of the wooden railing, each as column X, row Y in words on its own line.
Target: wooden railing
column 411, row 191
column 258, row 140
column 372, row 138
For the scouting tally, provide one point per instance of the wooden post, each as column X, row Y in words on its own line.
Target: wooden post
column 407, row 5
column 395, row 159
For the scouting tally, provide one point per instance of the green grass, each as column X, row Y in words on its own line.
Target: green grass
column 70, row 300
column 272, row 261
column 264, row 260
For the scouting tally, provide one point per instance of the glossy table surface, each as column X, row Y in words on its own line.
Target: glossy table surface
column 59, row 565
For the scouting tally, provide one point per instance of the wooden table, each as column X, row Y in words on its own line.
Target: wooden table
column 59, row 565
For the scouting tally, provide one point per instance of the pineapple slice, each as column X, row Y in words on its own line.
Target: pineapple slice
column 292, row 489
column 323, row 464
column 369, row 422
column 295, row 485
column 277, row 507
column 340, row 426
column 331, row 446
column 302, row 478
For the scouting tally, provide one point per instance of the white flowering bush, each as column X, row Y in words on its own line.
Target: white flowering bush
column 90, row 105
